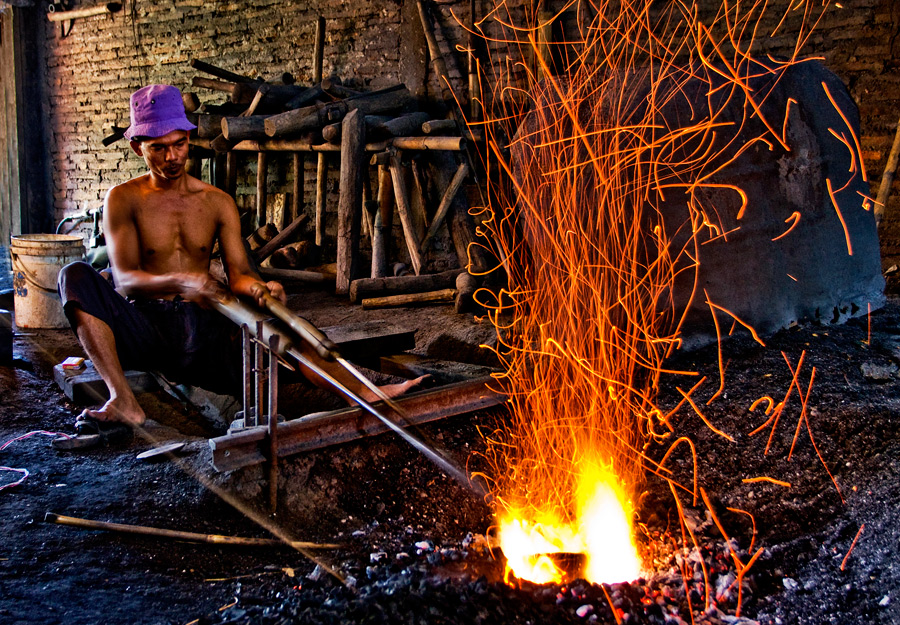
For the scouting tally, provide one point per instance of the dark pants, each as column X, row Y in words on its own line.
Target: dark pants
column 186, row 343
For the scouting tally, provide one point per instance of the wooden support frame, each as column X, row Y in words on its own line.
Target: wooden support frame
column 250, row 447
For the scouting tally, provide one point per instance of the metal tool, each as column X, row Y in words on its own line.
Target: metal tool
column 255, row 321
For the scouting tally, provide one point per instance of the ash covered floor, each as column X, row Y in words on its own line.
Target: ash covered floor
column 413, row 551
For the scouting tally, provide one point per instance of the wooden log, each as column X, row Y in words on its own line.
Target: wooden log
column 209, row 126
column 243, row 449
column 437, row 144
column 353, row 142
column 220, row 144
column 332, row 132
column 199, row 82
column 402, row 126
column 261, row 236
column 304, row 98
column 391, row 285
column 443, row 296
column 101, row 9
column 218, row 72
column 297, row 275
column 239, row 128
column 319, row 50
column 254, row 103
column 321, row 196
column 438, row 126
column 466, row 285
column 333, row 87
column 406, row 215
column 191, row 102
column 318, row 116
column 383, row 223
column 262, row 179
column 281, row 238
column 446, row 202
column 297, row 188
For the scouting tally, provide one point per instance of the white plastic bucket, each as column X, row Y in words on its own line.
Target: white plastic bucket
column 36, row 261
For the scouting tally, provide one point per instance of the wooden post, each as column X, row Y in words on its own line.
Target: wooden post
column 353, row 145
column 406, row 219
column 262, row 167
column 887, row 178
column 319, row 50
column 297, row 189
column 239, row 128
column 321, row 197
column 446, row 201
column 381, row 235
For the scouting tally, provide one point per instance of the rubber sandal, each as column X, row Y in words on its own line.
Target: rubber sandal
column 90, row 433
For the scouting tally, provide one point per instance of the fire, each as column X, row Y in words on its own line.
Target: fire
column 602, row 533
column 603, row 160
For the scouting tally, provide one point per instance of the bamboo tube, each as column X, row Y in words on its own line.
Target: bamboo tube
column 213, row 539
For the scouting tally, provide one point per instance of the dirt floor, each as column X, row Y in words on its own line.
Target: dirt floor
column 396, row 515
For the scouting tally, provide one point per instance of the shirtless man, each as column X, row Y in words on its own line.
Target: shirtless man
column 160, row 230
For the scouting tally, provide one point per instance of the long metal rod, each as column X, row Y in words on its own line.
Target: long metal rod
column 434, row 455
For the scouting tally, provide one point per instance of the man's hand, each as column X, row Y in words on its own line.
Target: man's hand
column 259, row 290
column 198, row 288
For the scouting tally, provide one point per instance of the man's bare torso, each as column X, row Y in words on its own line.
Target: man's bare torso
column 176, row 228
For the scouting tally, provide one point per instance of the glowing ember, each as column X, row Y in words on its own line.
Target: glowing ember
column 601, row 532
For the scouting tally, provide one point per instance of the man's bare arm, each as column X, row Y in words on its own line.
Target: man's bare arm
column 241, row 278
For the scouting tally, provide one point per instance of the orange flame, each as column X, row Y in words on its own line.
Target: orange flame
column 587, row 137
column 601, row 532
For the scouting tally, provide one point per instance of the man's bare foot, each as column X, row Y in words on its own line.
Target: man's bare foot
column 120, row 409
column 395, row 390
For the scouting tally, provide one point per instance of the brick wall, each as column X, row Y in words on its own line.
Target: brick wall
column 92, row 70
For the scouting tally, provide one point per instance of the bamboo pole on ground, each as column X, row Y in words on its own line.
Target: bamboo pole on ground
column 212, row 539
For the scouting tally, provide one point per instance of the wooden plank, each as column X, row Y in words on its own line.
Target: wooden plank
column 242, row 449
column 353, row 141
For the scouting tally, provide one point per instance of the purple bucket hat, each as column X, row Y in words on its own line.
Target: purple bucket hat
column 157, row 110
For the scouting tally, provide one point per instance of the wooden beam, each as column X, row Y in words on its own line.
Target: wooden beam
column 246, row 448
column 353, row 141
